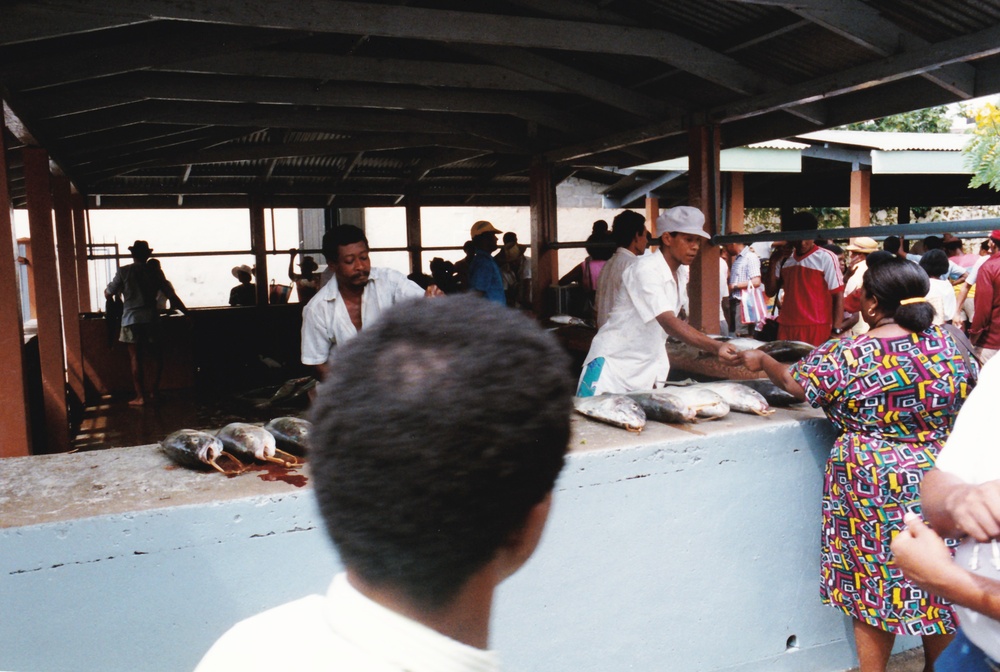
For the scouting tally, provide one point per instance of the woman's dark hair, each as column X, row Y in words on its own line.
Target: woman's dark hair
column 895, row 280
column 935, row 263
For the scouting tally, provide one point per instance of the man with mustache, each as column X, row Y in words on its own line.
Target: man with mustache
column 355, row 296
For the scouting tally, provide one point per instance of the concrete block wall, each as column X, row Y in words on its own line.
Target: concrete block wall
column 689, row 549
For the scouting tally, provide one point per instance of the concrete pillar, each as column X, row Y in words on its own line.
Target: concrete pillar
column 861, row 196
column 258, row 243
column 66, row 247
column 47, row 300
column 414, row 239
column 15, row 423
column 544, row 262
column 80, row 243
column 736, row 204
column 703, row 193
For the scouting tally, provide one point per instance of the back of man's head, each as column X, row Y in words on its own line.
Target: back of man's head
column 626, row 226
column 343, row 234
column 437, row 431
column 891, row 244
column 801, row 221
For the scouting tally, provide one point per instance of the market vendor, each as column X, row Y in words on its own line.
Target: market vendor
column 355, row 297
column 629, row 351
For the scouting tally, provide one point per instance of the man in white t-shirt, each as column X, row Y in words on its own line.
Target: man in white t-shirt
column 960, row 497
column 355, row 297
column 431, row 496
column 629, row 351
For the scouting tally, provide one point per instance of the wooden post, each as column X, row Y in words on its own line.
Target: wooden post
column 414, row 237
column 15, row 418
column 47, row 300
column 652, row 212
column 703, row 193
column 258, row 243
column 861, row 196
column 544, row 262
column 80, row 240
column 66, row 248
column 737, row 209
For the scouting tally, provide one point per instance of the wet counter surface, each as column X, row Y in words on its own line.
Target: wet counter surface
column 50, row 488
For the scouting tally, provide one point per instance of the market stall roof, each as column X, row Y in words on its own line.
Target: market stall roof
column 164, row 103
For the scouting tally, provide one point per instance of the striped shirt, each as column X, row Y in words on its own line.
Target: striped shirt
column 746, row 265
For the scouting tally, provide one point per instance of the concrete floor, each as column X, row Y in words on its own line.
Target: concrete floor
column 908, row 661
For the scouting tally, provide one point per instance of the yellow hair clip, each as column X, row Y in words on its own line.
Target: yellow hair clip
column 916, row 299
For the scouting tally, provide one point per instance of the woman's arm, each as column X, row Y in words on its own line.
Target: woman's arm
column 755, row 360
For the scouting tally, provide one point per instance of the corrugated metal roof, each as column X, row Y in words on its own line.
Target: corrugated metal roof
column 889, row 141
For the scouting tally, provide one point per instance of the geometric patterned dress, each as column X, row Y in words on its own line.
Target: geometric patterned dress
column 895, row 402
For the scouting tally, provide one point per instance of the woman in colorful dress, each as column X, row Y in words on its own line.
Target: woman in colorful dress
column 894, row 393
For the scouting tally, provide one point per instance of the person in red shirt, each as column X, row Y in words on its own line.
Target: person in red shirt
column 984, row 332
column 813, row 306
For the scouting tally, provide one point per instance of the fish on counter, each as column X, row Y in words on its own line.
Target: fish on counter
column 741, row 398
column 254, row 442
column 662, row 406
column 704, row 402
column 742, row 343
column 774, row 395
column 290, row 434
column 197, row 450
column 613, row 409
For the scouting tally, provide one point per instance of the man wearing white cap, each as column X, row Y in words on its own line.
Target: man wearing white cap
column 629, row 352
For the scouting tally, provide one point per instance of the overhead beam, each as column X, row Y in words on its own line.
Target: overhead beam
column 969, row 47
column 862, row 24
column 337, row 68
column 573, row 80
column 445, row 26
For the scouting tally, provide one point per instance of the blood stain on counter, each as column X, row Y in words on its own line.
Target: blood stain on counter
column 276, row 472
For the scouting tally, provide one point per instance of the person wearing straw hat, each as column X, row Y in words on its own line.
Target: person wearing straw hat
column 484, row 273
column 139, row 284
column 245, row 293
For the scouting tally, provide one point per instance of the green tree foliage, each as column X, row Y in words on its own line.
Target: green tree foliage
column 983, row 150
column 928, row 120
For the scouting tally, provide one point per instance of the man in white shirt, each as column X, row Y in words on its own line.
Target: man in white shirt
column 629, row 351
column 629, row 233
column 431, row 495
column 745, row 272
column 355, row 297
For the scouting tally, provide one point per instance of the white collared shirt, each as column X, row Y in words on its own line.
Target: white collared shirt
column 611, row 281
column 632, row 342
column 326, row 322
column 341, row 631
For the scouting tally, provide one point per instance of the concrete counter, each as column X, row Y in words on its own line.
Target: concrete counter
column 683, row 548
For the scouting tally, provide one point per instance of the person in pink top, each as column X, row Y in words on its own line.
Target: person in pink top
column 812, row 308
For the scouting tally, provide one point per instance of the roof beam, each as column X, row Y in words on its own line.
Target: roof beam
column 909, row 64
column 125, row 89
column 864, row 25
column 333, row 68
column 572, row 80
column 439, row 25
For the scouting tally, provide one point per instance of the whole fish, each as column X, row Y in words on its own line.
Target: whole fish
column 196, row 450
column 787, row 351
column 740, row 397
column 663, row 406
column 614, row 409
column 290, row 434
column 704, row 402
column 774, row 395
column 254, row 442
